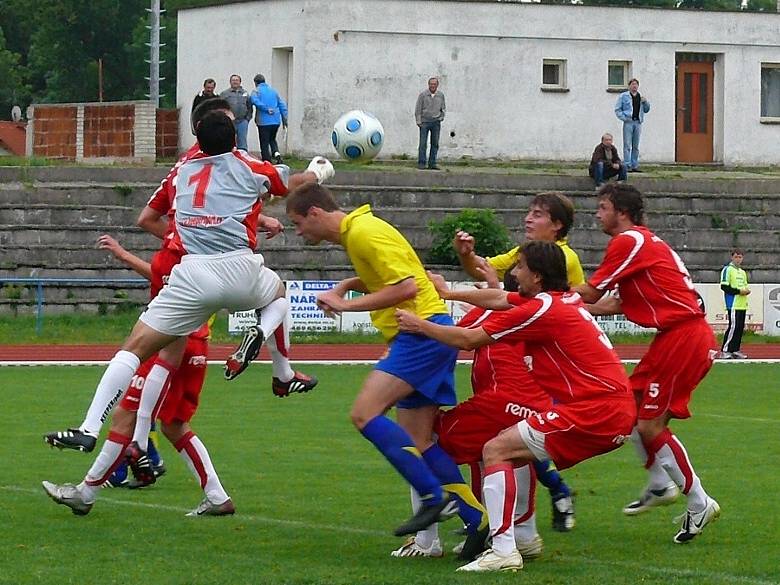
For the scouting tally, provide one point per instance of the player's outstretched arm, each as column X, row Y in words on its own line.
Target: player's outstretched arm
column 384, row 298
column 590, row 294
column 487, row 298
column 606, row 305
column 459, row 337
column 463, row 243
column 142, row 267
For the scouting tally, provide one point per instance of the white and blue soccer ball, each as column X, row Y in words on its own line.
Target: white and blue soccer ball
column 358, row 136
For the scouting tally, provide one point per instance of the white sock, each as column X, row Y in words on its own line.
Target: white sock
column 195, row 454
column 424, row 538
column 111, row 454
column 658, row 478
column 525, row 517
column 278, row 345
column 500, row 496
column 272, row 315
column 112, row 385
column 152, row 396
column 673, row 457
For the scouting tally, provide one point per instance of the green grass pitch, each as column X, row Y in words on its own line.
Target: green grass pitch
column 316, row 504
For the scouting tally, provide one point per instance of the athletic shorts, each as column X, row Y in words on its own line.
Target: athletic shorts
column 162, row 263
column 463, row 431
column 181, row 400
column 570, row 433
column 203, row 284
column 675, row 363
column 425, row 364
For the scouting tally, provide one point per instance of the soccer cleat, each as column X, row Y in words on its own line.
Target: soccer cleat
column 726, row 355
column 739, row 355
column 71, row 439
column 208, row 508
column 424, row 517
column 240, row 359
column 492, row 561
column 278, row 159
column 652, row 499
column 298, row 383
column 411, row 549
column 158, row 470
column 474, row 545
column 530, row 549
column 115, row 482
column 694, row 522
column 68, row 495
column 563, row 518
column 140, row 465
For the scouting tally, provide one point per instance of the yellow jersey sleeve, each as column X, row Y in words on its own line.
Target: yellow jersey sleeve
column 503, row 262
column 574, row 270
column 382, row 257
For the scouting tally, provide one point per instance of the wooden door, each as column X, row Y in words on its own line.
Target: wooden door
column 694, row 112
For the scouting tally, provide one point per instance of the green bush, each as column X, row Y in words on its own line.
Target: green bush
column 490, row 234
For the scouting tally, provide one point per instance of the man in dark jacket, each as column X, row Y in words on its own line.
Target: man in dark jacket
column 209, row 85
column 605, row 162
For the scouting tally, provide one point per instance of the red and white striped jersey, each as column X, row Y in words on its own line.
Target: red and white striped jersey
column 570, row 356
column 655, row 287
column 218, row 200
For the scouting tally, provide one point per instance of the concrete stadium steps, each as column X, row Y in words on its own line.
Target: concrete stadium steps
column 51, row 217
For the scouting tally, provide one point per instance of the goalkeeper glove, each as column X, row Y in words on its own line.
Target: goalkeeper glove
column 322, row 168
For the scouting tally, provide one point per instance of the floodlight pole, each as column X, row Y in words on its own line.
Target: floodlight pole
column 154, row 51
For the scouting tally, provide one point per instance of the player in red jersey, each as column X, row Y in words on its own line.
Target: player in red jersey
column 569, row 357
column 504, row 394
column 655, row 290
column 178, row 408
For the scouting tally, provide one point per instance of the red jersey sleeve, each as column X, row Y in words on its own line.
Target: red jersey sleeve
column 270, row 178
column 517, row 324
column 620, row 260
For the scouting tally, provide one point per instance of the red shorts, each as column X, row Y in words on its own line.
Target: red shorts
column 183, row 395
column 570, row 433
column 674, row 365
column 162, row 263
column 464, row 430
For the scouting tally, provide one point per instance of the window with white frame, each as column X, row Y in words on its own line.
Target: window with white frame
column 554, row 74
column 770, row 91
column 618, row 74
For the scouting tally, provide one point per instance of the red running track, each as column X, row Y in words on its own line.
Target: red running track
column 318, row 352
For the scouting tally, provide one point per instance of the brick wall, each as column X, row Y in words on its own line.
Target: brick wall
column 12, row 137
column 109, row 131
column 167, row 135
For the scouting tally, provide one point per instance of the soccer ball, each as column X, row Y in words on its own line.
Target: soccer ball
column 358, row 135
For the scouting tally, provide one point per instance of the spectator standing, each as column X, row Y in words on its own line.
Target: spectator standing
column 209, row 85
column 241, row 106
column 734, row 284
column 630, row 109
column 605, row 162
column 429, row 114
column 270, row 112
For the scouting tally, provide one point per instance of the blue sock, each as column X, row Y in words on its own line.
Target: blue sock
column 550, row 478
column 398, row 448
column 469, row 509
column 119, row 475
column 151, row 451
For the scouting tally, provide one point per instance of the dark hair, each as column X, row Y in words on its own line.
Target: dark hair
column 736, row 251
column 559, row 207
column 510, row 282
column 259, row 78
column 216, row 133
column 632, row 80
column 209, row 80
column 625, row 198
column 235, row 75
column 310, row 195
column 206, row 106
column 548, row 261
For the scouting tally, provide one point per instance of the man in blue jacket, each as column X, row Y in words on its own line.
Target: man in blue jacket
column 630, row 109
column 270, row 112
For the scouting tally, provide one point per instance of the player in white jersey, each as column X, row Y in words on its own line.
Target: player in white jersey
column 218, row 201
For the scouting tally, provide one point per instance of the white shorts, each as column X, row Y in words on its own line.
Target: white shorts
column 203, row 284
column 534, row 440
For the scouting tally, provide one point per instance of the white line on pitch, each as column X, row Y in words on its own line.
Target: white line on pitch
column 638, row 567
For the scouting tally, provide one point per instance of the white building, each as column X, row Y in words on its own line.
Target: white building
column 522, row 81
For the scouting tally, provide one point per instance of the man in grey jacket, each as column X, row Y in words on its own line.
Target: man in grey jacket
column 429, row 114
column 241, row 106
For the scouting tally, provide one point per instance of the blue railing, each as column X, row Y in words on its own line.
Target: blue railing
column 39, row 283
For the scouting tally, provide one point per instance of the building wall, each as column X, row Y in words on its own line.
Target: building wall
column 377, row 55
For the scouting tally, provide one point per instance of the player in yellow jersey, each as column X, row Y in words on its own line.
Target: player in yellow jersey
column 550, row 217
column 416, row 375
